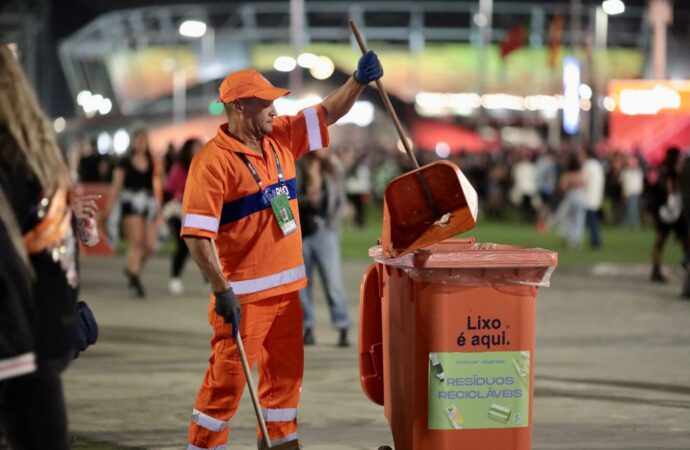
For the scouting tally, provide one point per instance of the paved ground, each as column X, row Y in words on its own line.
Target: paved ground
column 612, row 367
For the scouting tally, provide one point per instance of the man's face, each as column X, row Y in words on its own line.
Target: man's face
column 258, row 114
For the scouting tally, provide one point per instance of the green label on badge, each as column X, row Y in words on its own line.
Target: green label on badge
column 478, row 390
column 281, row 209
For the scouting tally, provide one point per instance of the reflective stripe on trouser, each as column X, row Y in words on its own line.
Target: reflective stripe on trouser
column 271, row 332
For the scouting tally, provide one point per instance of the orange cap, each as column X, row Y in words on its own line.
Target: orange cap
column 248, row 83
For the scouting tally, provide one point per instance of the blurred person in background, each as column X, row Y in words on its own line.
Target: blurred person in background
column 546, row 173
column 389, row 168
column 570, row 216
column 478, row 173
column 594, row 179
column 321, row 200
column 614, row 165
column 88, row 160
column 169, row 158
column 136, row 186
column 358, row 183
column 685, row 194
column 172, row 211
column 524, row 191
column 667, row 206
column 38, row 268
column 498, row 187
column 632, row 185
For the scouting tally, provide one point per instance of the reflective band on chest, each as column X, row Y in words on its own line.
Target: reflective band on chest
column 258, row 201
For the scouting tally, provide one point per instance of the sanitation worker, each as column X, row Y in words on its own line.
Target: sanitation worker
column 240, row 195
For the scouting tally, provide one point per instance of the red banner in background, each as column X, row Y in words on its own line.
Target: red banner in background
column 555, row 32
column 515, row 38
column 649, row 115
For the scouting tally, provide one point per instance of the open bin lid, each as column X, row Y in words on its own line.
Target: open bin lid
column 472, row 263
column 425, row 206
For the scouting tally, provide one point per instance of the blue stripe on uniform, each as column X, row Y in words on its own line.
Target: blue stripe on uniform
column 245, row 206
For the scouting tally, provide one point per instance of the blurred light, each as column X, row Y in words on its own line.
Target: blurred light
column 106, row 106
column 480, row 20
column 571, row 85
column 59, row 124
column 284, row 64
column 585, row 104
column 290, row 107
column 400, row 146
column 120, row 141
column 648, row 101
column 103, row 143
column 14, row 49
column 307, row 60
column 609, row 103
column 323, row 69
column 126, row 107
column 83, row 97
column 613, row 7
column 361, row 114
column 215, row 108
column 503, row 101
column 439, row 104
column 192, row 28
column 168, row 64
column 546, row 102
column 585, row 91
column 93, row 103
column 549, row 113
column 442, row 149
column 436, row 104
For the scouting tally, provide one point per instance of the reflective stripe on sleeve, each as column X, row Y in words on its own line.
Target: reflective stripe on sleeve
column 313, row 130
column 279, row 415
column 268, row 282
column 217, row 447
column 202, row 222
column 208, row 422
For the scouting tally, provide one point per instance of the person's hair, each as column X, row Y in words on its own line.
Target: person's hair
column 24, row 122
column 27, row 141
column 326, row 165
column 187, row 152
column 135, row 133
column 572, row 163
column 671, row 158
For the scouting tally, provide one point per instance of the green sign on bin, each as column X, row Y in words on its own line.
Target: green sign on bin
column 478, row 390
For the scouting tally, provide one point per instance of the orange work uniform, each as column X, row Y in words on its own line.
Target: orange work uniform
column 223, row 201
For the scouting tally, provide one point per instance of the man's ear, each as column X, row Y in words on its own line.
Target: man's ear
column 237, row 105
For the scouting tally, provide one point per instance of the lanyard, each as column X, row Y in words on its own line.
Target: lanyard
column 255, row 174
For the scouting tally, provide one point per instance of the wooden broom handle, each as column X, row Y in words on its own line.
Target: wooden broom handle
column 247, row 371
column 252, row 391
column 386, row 101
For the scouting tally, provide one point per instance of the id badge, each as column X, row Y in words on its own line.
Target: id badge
column 283, row 212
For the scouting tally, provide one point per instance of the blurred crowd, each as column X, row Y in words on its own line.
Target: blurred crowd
column 571, row 189
column 512, row 182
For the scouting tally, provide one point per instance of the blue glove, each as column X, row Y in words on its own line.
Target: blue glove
column 228, row 307
column 368, row 68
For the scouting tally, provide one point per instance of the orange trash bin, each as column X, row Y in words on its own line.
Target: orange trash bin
column 447, row 343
